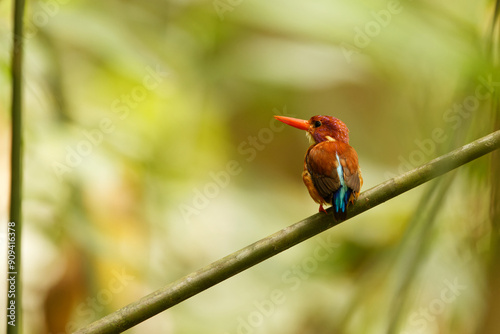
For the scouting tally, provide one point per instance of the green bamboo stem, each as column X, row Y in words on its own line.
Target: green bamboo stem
column 14, row 300
column 263, row 249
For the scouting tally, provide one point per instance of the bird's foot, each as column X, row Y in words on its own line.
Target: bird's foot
column 322, row 209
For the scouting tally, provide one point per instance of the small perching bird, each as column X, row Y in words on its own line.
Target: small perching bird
column 331, row 170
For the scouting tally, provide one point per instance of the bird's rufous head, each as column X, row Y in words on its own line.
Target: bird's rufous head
column 320, row 128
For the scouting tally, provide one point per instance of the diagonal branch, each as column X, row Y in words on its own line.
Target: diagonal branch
column 263, row 249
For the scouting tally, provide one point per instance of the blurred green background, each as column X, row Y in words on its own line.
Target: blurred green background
column 151, row 151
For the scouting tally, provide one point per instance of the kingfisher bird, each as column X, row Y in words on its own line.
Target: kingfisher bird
column 331, row 170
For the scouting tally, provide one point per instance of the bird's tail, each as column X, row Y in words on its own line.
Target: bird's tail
column 340, row 215
column 340, row 202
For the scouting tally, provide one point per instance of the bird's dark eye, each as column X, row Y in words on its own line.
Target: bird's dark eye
column 317, row 124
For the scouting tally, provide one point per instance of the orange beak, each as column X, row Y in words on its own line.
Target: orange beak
column 295, row 122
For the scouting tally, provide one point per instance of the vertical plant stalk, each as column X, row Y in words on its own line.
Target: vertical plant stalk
column 14, row 304
column 490, row 322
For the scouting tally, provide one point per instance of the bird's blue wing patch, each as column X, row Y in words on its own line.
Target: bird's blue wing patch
column 341, row 195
